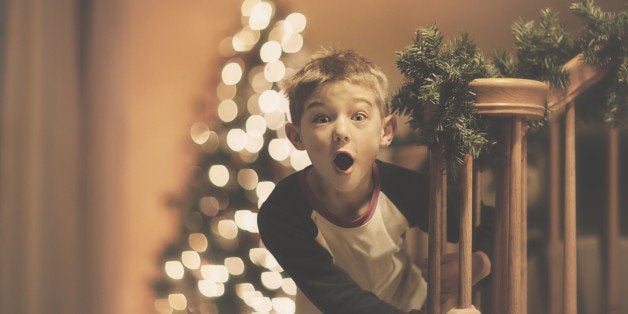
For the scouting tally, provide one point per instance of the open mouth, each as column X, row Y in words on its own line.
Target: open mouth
column 343, row 161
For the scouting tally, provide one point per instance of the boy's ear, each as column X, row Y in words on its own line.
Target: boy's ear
column 294, row 135
column 389, row 127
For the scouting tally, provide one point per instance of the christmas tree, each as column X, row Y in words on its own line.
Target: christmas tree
column 218, row 260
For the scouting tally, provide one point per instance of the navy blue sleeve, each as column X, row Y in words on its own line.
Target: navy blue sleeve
column 289, row 234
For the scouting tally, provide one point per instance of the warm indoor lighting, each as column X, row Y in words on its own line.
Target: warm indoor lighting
column 297, row 20
column 263, row 190
column 257, row 79
column 271, row 263
column 236, row 139
column 274, row 71
column 275, row 120
column 247, row 178
column 242, row 288
column 228, row 229
column 224, row 91
column 227, row 110
column 262, row 304
column 199, row 132
column 261, row 13
column 271, row 280
column 270, row 51
column 174, row 269
column 299, row 159
column 163, row 306
column 256, row 125
column 280, row 30
column 292, row 43
column 178, row 301
column 288, row 286
column 257, row 255
column 218, row 175
column 283, row 305
column 198, row 242
column 235, row 265
column 231, row 73
column 254, row 143
column 246, row 220
column 245, row 39
column 191, row 259
column 210, row 288
column 279, row 149
column 269, row 101
column 216, row 273
column 247, row 6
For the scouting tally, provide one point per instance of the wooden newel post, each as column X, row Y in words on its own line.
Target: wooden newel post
column 513, row 101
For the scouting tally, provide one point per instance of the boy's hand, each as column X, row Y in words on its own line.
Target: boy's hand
column 449, row 272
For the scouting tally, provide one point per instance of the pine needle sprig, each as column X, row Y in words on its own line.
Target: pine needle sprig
column 437, row 97
column 541, row 51
column 603, row 44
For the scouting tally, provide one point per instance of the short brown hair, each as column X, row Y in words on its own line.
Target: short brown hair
column 330, row 65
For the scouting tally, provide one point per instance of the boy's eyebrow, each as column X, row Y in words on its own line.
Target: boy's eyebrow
column 321, row 104
column 313, row 104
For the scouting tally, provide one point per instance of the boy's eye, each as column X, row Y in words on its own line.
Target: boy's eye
column 321, row 119
column 359, row 117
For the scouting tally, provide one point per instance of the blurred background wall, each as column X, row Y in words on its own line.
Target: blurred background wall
column 96, row 102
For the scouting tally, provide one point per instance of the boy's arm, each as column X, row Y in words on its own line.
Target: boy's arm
column 292, row 242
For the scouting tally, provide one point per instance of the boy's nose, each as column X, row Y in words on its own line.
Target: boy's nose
column 341, row 138
column 341, row 134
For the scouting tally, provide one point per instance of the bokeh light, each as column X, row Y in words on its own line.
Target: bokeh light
column 297, row 20
column 210, row 288
column 178, row 301
column 256, row 125
column 198, row 242
column 263, row 190
column 247, row 178
column 218, row 175
column 299, row 159
column 269, row 101
column 292, row 43
column 284, row 305
column 279, row 149
column 270, row 51
column 174, row 269
column 261, row 12
column 246, row 220
column 216, row 273
column 274, row 71
column 227, row 110
column 271, row 280
column 231, row 73
column 191, row 259
column 235, row 265
column 199, row 132
column 236, row 139
column 228, row 229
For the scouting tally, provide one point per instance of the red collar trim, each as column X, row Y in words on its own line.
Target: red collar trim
column 318, row 206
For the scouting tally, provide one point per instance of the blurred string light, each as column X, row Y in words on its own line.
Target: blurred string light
column 251, row 112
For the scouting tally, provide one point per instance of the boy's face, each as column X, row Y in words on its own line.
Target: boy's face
column 342, row 129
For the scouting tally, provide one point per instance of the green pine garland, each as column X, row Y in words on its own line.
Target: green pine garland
column 603, row 44
column 439, row 102
column 437, row 97
column 541, row 51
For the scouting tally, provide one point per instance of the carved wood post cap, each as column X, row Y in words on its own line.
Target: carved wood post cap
column 508, row 97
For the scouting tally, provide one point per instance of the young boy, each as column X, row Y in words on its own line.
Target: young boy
column 338, row 226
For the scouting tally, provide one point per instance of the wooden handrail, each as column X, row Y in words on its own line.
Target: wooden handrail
column 581, row 77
